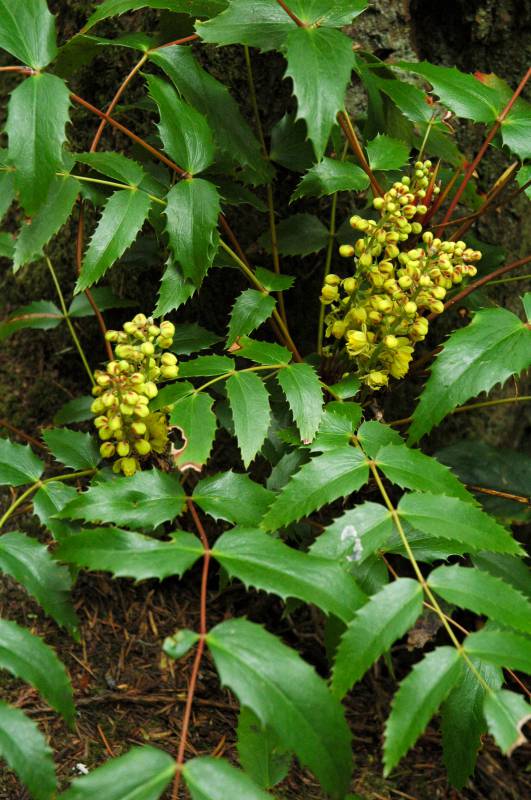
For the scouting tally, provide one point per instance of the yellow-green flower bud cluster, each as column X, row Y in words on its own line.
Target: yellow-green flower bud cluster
column 128, row 430
column 378, row 314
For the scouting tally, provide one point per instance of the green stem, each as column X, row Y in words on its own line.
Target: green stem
column 69, row 322
column 328, row 263
column 37, row 485
column 470, row 407
column 227, row 375
column 114, row 184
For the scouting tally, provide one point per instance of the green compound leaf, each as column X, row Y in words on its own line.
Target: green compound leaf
column 197, row 422
column 31, row 564
column 77, row 410
column 114, row 165
column 174, row 290
column 374, row 435
column 260, row 752
column 267, row 353
column 250, row 310
column 51, row 216
column 289, row 145
column 180, row 643
column 143, row 773
column 320, row 61
column 386, row 153
column 409, row 99
column 356, row 534
column 113, row 8
column 73, row 448
column 502, row 648
column 210, row 778
column 131, row 555
column 273, row 280
column 233, row 497
column 386, row 617
column 27, row 752
column 323, row 480
column 257, row 23
column 484, row 594
column 411, row 469
column 337, row 425
column 298, row 235
column 7, row 192
column 191, row 338
column 192, row 212
column 463, row 723
column 37, row 117
column 206, row 366
column 231, row 131
column 513, row 571
column 141, row 502
column 506, row 714
column 331, row 176
column 41, row 315
column 18, row 464
column 120, row 223
column 493, row 347
column 430, row 513
column 185, row 133
column 27, row 657
column 419, row 696
column 265, row 563
column 302, row 389
column 27, row 31
column 104, row 298
column 286, row 695
column 48, row 501
column 249, row 404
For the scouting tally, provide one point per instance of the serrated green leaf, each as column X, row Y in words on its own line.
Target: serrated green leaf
column 120, row 223
column 321, row 481
column 141, row 502
column 104, row 298
column 189, row 337
column 250, row 310
column 180, row 643
column 411, row 469
column 232, row 133
column 260, row 752
column 265, row 563
column 409, row 99
column 346, row 388
column 50, row 500
column 522, row 177
column 484, row 594
column 206, row 366
column 386, row 153
column 510, row 569
column 257, row 23
column 31, row 564
column 72, row 448
column 233, row 497
column 27, row 657
column 506, row 714
column 463, row 723
column 192, row 212
column 143, row 773
column 267, row 353
column 18, row 464
column 185, row 133
column 41, row 315
column 502, row 648
column 37, row 117
column 516, row 129
column 170, row 393
column 209, row 778
column 27, row 31
column 419, row 696
column 337, row 425
column 493, row 347
column 114, row 165
column 236, row 194
column 330, row 176
column 298, row 235
column 356, row 534
column 113, row 8
column 289, row 144
column 320, row 61
column 27, row 752
column 286, row 695
column 249, row 404
column 193, row 415
column 302, row 389
column 77, row 410
column 430, row 513
column 50, row 217
column 386, row 617
column 273, row 280
column 131, row 555
column 174, row 290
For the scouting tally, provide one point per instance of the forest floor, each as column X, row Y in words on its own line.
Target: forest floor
column 127, row 693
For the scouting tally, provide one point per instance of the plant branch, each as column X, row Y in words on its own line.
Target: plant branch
column 470, row 407
column 328, row 263
column 292, row 15
column 37, row 485
column 348, row 129
column 22, row 435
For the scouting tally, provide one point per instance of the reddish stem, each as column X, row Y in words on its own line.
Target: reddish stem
column 27, row 438
column 192, row 38
column 291, row 14
column 483, row 149
column 22, row 70
column 481, row 282
column 352, row 139
column 199, row 652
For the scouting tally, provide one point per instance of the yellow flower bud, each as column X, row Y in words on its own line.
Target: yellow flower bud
column 170, row 372
column 346, row 251
column 107, row 450
column 410, row 308
column 129, row 467
column 167, row 329
column 123, row 448
column 349, row 285
column 329, row 293
column 139, row 428
column 390, row 341
column 142, row 447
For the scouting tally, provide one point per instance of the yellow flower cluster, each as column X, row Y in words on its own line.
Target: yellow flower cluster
column 125, row 424
column 401, row 273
